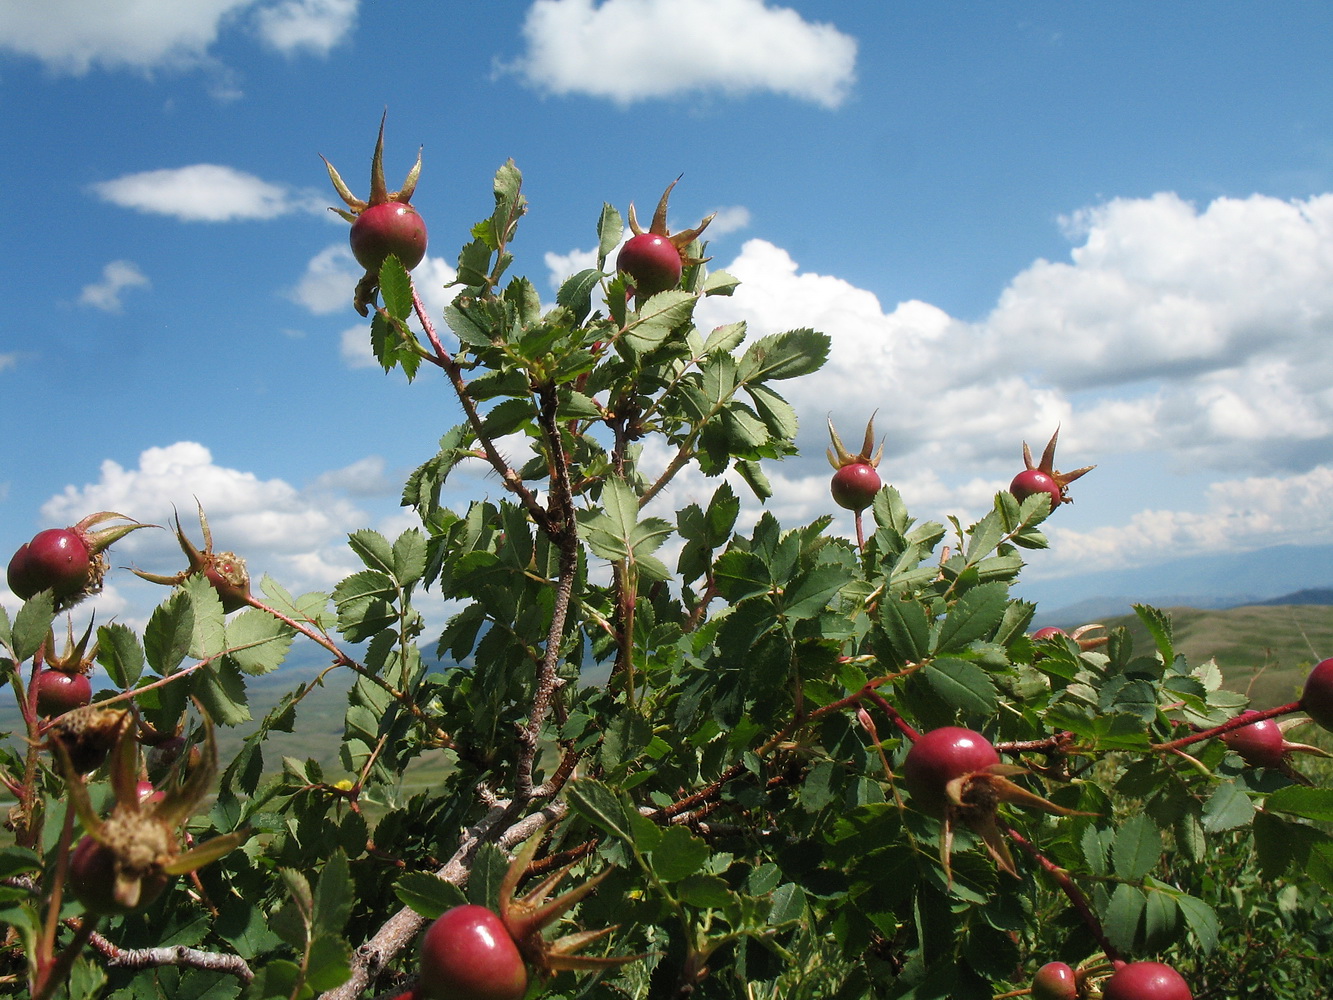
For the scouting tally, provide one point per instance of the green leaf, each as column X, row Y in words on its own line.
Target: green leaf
column 373, row 549
column 330, row 963
column 604, row 807
column 1298, row 800
column 396, row 288
column 334, row 896
column 1158, row 624
column 1201, row 920
column 427, row 894
column 1137, row 848
column 257, row 643
column 962, row 685
column 678, row 854
column 784, row 355
column 1124, row 916
column 576, row 292
column 1227, row 808
column 788, row 905
column 32, row 624
column 170, row 630
column 119, row 653
column 720, row 283
column 976, row 614
column 725, row 338
column 409, row 557
column 658, row 318
column 907, row 628
column 610, row 227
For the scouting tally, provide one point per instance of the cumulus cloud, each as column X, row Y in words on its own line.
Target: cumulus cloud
column 1239, row 514
column 294, row 534
column 116, row 277
column 328, row 283
column 633, row 50
column 311, row 25
column 204, row 192
column 73, row 36
column 1200, row 335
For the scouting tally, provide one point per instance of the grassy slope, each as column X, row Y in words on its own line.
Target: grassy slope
column 1265, row 651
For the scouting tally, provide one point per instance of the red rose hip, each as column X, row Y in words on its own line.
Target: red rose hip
column 56, row 559
column 854, row 486
column 939, row 757
column 467, row 954
column 59, row 691
column 1317, row 697
column 1054, row 981
column 1146, row 981
column 391, row 228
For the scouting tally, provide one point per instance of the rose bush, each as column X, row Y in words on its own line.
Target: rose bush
column 701, row 718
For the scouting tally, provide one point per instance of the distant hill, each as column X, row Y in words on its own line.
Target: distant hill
column 1280, row 574
column 1264, row 649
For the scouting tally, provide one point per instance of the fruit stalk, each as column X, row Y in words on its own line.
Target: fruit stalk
column 1072, row 892
column 1228, row 726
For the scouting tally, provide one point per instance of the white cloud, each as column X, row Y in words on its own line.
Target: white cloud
column 116, row 277
column 75, row 36
column 205, row 192
column 633, row 50
column 293, row 534
column 1239, row 514
column 1202, row 337
column 354, row 347
column 326, row 287
column 312, row 25
column 728, row 219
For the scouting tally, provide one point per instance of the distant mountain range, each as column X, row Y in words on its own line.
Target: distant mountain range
column 1281, row 574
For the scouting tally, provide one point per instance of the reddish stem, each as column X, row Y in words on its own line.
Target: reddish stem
column 1226, row 727
column 903, row 726
column 1071, row 891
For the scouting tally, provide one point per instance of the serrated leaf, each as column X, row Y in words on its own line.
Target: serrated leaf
column 427, row 894
column 333, row 897
column 32, row 623
column 1124, row 916
column 610, row 227
column 257, row 642
column 784, row 355
column 603, row 806
column 658, row 318
column 396, row 288
column 330, row 963
column 119, row 653
column 1298, row 800
column 575, row 292
column 962, row 685
column 170, row 630
column 409, row 557
column 725, row 338
column 678, row 854
column 1227, row 808
column 1137, row 848
column 976, row 614
column 907, row 628
column 1158, row 624
column 1201, row 920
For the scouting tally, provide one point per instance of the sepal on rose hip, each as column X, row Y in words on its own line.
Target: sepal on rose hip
column 126, row 859
column 855, row 481
column 655, row 258
column 62, row 682
column 383, row 225
column 225, row 571
column 956, row 775
column 1043, row 477
column 69, row 562
column 526, row 916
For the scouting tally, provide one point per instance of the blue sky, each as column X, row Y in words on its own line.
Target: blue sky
column 1117, row 218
